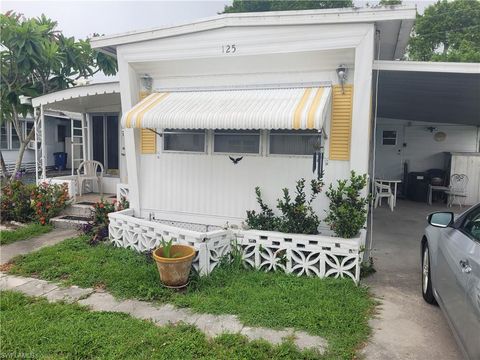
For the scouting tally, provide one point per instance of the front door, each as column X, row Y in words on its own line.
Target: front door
column 105, row 141
column 388, row 152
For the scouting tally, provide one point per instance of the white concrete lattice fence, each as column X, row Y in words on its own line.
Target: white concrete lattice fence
column 315, row 255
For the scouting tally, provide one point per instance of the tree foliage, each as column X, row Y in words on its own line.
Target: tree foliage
column 390, row 2
column 447, row 31
column 36, row 59
column 239, row 6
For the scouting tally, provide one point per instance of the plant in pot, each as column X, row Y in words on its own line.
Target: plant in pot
column 174, row 262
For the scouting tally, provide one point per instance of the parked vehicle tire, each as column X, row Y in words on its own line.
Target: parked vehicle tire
column 427, row 290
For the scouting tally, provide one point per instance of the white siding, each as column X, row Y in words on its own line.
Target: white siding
column 468, row 164
column 212, row 185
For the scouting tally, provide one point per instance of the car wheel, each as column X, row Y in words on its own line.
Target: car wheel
column 427, row 291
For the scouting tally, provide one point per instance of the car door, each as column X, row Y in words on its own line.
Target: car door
column 470, row 228
column 450, row 280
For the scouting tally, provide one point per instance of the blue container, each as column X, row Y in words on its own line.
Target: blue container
column 60, row 160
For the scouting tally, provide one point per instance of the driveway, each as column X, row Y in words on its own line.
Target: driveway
column 405, row 327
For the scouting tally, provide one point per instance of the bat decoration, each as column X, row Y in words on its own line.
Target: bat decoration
column 235, row 160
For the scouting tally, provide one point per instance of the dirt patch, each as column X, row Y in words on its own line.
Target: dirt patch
column 6, row 267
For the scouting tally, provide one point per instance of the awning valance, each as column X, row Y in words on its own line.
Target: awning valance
column 292, row 108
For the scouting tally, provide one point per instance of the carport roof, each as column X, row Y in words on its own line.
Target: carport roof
column 429, row 91
column 97, row 97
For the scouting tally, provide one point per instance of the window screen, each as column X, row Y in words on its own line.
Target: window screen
column 292, row 142
column 15, row 138
column 237, row 141
column 30, row 126
column 184, row 140
column 389, row 137
column 3, row 136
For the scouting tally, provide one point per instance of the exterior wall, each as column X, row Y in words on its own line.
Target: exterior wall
column 422, row 151
column 10, row 156
column 51, row 137
column 199, row 185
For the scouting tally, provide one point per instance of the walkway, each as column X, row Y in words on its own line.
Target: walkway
column 160, row 315
column 8, row 252
column 405, row 327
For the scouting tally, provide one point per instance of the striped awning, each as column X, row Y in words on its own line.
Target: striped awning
column 292, row 108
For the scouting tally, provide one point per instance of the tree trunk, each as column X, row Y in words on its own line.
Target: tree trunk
column 3, row 167
column 18, row 163
column 23, row 142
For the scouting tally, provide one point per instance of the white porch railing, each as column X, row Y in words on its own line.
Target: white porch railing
column 71, row 182
column 317, row 255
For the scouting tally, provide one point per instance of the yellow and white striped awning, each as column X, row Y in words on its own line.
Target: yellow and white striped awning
column 292, row 108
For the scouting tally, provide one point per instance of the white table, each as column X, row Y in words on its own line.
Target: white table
column 391, row 182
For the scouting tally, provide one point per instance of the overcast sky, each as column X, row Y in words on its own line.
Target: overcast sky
column 82, row 18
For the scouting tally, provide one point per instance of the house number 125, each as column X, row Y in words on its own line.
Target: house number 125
column 229, row 49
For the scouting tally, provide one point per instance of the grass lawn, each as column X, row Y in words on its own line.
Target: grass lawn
column 335, row 309
column 37, row 329
column 23, row 233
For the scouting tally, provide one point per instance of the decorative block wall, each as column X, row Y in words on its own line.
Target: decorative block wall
column 313, row 255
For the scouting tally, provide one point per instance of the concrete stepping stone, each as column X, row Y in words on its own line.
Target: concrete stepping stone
column 8, row 282
column 36, row 287
column 214, row 325
column 100, row 302
column 71, row 294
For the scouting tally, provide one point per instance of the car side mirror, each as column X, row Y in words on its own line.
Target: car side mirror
column 440, row 219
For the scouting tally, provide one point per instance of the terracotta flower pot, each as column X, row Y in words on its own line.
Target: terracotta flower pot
column 174, row 271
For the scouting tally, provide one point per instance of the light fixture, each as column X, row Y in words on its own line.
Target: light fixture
column 25, row 100
column 147, row 82
column 342, row 75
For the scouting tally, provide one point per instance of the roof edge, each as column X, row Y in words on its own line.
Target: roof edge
column 77, row 91
column 108, row 43
column 427, row 66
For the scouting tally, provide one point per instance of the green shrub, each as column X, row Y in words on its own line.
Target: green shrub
column 347, row 212
column 97, row 229
column 297, row 215
column 15, row 201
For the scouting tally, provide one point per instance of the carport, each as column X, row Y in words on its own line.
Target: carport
column 428, row 117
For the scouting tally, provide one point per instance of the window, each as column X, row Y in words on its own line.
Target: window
column 29, row 127
column 3, row 136
column 184, row 140
column 389, row 137
column 15, row 139
column 237, row 141
column 293, row 142
column 471, row 225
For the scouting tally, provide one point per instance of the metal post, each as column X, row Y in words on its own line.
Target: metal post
column 84, row 137
column 35, row 111
column 44, row 154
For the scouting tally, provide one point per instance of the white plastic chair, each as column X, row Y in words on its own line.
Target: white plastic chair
column 457, row 189
column 383, row 191
column 91, row 170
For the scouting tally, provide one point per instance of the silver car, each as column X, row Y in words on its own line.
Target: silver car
column 451, row 273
